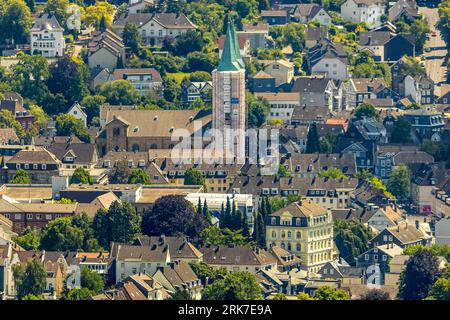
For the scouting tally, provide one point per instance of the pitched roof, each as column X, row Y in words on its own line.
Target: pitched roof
column 122, row 73
column 274, row 13
column 8, row 136
column 121, row 251
column 236, row 255
column 157, row 123
column 47, row 21
column 31, row 155
column 279, row 96
column 180, row 247
column 311, row 84
column 310, row 113
column 316, row 33
column 231, row 59
column 108, row 40
column 81, row 152
column 406, row 233
column 301, row 209
column 308, row 10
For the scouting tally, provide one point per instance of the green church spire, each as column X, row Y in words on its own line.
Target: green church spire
column 236, row 45
column 231, row 59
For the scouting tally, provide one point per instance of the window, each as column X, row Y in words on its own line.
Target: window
column 27, row 166
column 44, row 166
column 366, row 257
column 116, row 132
column 35, row 166
column 29, row 216
column 274, row 221
column 48, row 216
column 384, row 257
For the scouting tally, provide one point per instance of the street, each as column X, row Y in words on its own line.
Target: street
column 435, row 59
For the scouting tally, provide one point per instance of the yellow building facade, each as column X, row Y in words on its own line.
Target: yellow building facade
column 305, row 229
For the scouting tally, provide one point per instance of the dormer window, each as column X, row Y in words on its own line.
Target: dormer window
column 69, row 159
column 130, row 163
column 141, row 163
column 106, row 163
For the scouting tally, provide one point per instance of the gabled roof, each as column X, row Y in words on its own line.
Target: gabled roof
column 82, row 152
column 307, row 10
column 120, row 74
column 301, row 209
column 180, row 247
column 48, row 22
column 31, row 155
column 236, row 255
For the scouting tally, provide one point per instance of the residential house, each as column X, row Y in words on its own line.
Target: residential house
column 102, row 202
column 144, row 80
column 389, row 156
column 75, row 154
column 181, row 248
column 367, row 11
column 46, row 36
column 15, row 105
column 403, row 235
column 257, row 34
column 8, row 137
column 315, row 35
column 262, row 82
column 155, row 27
column 275, row 17
column 396, row 266
column 419, row 89
column 281, row 70
column 309, row 12
column 384, row 217
column 238, row 258
column 135, row 287
column 310, row 165
column 362, row 148
column 40, row 164
column 194, row 90
column 286, row 261
column 404, row 9
column 106, row 50
column 281, row 104
column 343, row 272
column 386, row 46
column 304, row 228
column 442, row 229
column 131, row 260
column 140, row 6
column 376, row 261
column 306, row 115
column 368, row 129
column 34, row 215
column 361, row 89
column 77, row 111
column 99, row 76
column 178, row 276
column 328, row 59
column 315, row 91
column 425, row 122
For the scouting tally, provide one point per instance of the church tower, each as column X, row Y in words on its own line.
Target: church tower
column 228, row 96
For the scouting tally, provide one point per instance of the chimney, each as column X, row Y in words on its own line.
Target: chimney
column 417, row 224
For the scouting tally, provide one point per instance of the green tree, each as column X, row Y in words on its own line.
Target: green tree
column 119, row 92
column 351, row 238
column 7, row 120
column 29, row 239
column 120, row 173
column 29, row 280
column 304, row 296
column 201, row 61
column 279, row 296
column 92, row 280
column 131, row 37
column 21, row 177
column 181, row 295
column 399, row 182
column 257, row 110
column 312, row 143
column 419, row 275
column 41, row 119
column 333, row 173
column 402, row 131
column 59, row 8
column 375, row 294
column 365, row 110
column 172, row 216
column 69, row 77
column 188, row 42
column 77, row 294
column 440, row 289
column 193, row 177
column 30, row 75
column 329, row 293
column 120, row 223
column 205, row 211
column 235, row 286
column 81, row 175
column 206, row 273
column 216, row 236
column 15, row 23
column 68, row 125
column 139, row 176
column 91, row 105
